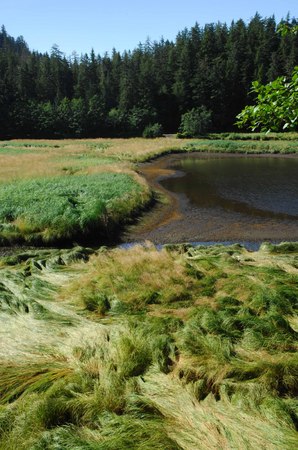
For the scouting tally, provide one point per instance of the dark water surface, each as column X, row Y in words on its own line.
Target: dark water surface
column 256, row 187
column 229, row 198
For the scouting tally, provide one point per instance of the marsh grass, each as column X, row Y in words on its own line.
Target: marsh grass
column 51, row 209
column 49, row 173
column 207, row 424
column 90, row 388
column 16, row 379
column 221, row 375
column 255, row 136
column 22, row 159
column 140, row 277
column 244, row 146
column 27, row 159
column 183, row 348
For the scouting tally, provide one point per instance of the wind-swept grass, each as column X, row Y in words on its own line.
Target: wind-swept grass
column 89, row 388
column 136, row 279
column 214, row 367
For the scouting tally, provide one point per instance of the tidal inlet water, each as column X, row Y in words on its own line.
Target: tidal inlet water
column 226, row 199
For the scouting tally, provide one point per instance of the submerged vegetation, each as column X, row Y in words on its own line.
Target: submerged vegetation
column 183, row 348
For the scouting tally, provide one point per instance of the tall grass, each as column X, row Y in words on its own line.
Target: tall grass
column 180, row 348
column 136, row 279
column 91, row 388
column 51, row 209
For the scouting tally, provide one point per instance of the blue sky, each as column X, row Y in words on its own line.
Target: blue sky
column 80, row 25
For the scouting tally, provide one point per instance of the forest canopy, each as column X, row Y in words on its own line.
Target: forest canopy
column 210, row 67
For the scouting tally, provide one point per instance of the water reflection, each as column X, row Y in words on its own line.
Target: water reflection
column 256, row 187
column 224, row 198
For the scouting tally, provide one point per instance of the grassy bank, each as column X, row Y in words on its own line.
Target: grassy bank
column 57, row 191
column 53, row 209
column 63, row 191
column 244, row 146
column 184, row 348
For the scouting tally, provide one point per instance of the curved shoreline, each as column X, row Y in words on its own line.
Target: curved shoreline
column 158, row 224
column 136, row 157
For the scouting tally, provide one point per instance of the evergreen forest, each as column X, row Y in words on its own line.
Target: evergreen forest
column 50, row 95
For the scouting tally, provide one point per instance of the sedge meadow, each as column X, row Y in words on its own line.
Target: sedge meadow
column 111, row 348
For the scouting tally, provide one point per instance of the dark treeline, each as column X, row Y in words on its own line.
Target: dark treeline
column 49, row 95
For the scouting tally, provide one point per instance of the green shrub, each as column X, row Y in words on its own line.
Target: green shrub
column 195, row 122
column 153, row 131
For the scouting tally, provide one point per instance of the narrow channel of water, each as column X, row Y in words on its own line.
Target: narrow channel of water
column 220, row 198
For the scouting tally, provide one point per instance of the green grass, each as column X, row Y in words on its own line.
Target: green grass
column 183, row 348
column 132, row 281
column 244, row 146
column 109, row 365
column 254, row 136
column 30, row 145
column 53, row 191
column 51, row 209
column 5, row 150
column 85, row 160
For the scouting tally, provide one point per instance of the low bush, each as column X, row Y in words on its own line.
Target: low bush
column 153, row 131
column 195, row 122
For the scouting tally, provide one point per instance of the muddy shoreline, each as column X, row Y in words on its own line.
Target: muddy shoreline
column 170, row 218
column 174, row 219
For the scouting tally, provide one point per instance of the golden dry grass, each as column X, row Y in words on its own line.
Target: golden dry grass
column 55, row 157
column 161, row 278
column 213, row 425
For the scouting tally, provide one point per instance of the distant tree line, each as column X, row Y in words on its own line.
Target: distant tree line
column 206, row 69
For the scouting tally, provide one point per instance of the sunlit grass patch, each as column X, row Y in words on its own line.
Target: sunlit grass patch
column 138, row 279
column 50, row 209
column 226, row 423
column 243, row 146
column 131, row 373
